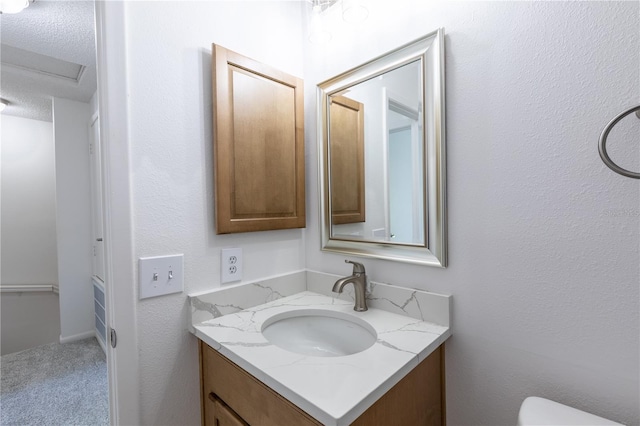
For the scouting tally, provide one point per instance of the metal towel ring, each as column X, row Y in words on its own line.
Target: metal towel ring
column 602, row 146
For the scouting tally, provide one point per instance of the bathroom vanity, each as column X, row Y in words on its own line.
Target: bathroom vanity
column 250, row 377
column 301, row 355
column 232, row 396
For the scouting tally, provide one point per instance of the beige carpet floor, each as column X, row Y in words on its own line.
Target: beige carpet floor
column 55, row 384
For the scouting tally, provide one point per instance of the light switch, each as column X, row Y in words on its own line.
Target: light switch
column 160, row 275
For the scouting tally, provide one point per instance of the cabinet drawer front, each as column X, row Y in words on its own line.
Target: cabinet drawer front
column 251, row 399
column 220, row 414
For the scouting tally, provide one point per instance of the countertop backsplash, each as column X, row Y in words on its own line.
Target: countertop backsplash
column 422, row 305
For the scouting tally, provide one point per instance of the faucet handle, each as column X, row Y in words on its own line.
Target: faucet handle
column 358, row 268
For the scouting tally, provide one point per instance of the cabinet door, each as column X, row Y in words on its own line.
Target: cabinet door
column 346, row 147
column 251, row 399
column 258, row 121
column 219, row 414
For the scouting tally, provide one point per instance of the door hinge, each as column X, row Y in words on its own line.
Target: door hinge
column 114, row 337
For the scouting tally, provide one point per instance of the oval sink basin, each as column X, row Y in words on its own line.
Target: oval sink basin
column 318, row 332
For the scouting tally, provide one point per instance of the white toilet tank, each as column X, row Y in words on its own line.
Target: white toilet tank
column 540, row 411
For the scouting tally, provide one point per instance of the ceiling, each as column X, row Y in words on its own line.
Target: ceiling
column 46, row 51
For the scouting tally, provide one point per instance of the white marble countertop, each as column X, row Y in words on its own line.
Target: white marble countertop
column 334, row 390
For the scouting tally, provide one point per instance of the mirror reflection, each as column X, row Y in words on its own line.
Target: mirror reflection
column 383, row 156
column 376, row 149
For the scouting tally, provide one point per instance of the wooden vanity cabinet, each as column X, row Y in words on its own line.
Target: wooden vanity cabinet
column 232, row 397
column 252, row 400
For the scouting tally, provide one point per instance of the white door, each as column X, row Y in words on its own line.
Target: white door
column 96, row 200
column 400, row 175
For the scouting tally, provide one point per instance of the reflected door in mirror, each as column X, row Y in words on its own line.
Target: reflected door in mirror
column 405, row 187
column 405, row 169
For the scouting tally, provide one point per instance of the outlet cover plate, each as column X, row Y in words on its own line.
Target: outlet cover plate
column 231, row 265
column 169, row 278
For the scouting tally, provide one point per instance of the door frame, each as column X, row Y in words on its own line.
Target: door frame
column 122, row 362
column 97, row 221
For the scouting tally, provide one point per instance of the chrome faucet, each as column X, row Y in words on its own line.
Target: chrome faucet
column 359, row 281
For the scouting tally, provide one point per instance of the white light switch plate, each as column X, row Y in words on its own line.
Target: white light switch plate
column 160, row 275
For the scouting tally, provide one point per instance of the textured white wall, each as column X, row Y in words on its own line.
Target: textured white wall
column 28, row 202
column 544, row 239
column 28, row 233
column 73, row 216
column 170, row 118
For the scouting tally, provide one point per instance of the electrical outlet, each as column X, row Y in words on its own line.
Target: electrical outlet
column 231, row 265
column 160, row 275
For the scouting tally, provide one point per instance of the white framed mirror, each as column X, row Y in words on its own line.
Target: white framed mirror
column 383, row 156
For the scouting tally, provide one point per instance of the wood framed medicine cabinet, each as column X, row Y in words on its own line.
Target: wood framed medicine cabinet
column 258, row 145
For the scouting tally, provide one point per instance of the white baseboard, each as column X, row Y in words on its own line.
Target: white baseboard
column 99, row 339
column 79, row 336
